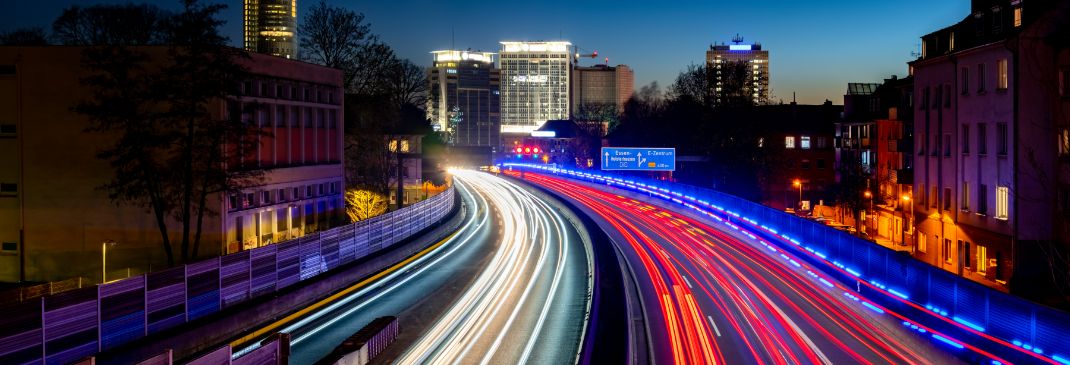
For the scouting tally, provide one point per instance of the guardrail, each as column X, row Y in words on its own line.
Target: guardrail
column 69, row 326
column 1041, row 332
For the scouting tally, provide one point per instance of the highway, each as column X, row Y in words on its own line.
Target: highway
column 713, row 295
column 512, row 281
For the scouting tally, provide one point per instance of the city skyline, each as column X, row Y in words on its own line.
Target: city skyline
column 869, row 42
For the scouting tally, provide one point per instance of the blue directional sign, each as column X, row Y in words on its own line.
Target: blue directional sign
column 638, row 158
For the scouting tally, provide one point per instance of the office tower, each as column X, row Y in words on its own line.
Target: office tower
column 738, row 73
column 535, row 84
column 598, row 94
column 464, row 99
column 270, row 26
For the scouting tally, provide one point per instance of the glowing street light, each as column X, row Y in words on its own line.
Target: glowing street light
column 104, row 259
column 798, row 183
column 903, row 232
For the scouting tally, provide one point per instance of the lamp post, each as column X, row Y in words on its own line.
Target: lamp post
column 869, row 196
column 797, row 183
column 104, row 260
column 903, row 232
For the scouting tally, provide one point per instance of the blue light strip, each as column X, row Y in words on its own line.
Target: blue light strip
column 947, row 341
column 661, row 192
column 968, row 324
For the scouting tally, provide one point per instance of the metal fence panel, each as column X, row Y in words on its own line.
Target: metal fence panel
column 262, row 271
column 20, row 333
column 70, row 325
column 165, row 299
column 122, row 312
column 202, row 288
column 233, row 279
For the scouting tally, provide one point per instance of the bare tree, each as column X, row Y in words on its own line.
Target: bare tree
column 692, row 83
column 335, row 37
column 34, row 36
column 407, row 84
column 168, row 153
column 126, row 24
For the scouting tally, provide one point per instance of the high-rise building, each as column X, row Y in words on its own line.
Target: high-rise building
column 599, row 92
column 464, row 99
column 270, row 26
column 535, row 84
column 738, row 73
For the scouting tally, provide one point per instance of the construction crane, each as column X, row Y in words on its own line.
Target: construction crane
column 593, row 54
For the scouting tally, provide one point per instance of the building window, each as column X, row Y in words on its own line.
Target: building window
column 282, row 195
column 921, row 194
column 965, row 86
column 308, row 191
column 1001, row 138
column 9, row 188
column 297, row 193
column 982, row 199
column 966, row 255
column 982, row 259
column 965, row 193
column 947, row 198
column 805, row 165
column 789, row 142
column 947, row 144
column 821, row 163
column 947, row 95
column 981, row 78
column 7, row 130
column 924, row 102
column 265, row 197
column 1064, row 81
column 982, row 139
column 922, row 246
column 951, row 41
column 804, row 142
column 1064, row 142
column 947, row 251
column 934, row 197
column 1002, row 197
column 280, row 115
column 820, row 142
column 1018, row 17
column 232, row 202
column 965, row 138
column 922, row 143
column 1002, row 78
column 281, row 221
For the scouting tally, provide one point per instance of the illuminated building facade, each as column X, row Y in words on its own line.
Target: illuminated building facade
column 270, row 26
column 53, row 214
column 534, row 84
column 754, row 80
column 464, row 98
column 598, row 93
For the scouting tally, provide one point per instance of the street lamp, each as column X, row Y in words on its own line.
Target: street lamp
column 903, row 232
column 104, row 259
column 797, row 183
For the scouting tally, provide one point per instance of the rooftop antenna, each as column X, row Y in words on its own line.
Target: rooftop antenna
column 737, row 39
column 793, row 97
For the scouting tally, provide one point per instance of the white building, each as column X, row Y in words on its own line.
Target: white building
column 534, row 84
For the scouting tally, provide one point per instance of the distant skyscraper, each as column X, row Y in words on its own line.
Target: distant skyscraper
column 270, row 26
column 752, row 83
column 464, row 98
column 598, row 93
column 535, row 84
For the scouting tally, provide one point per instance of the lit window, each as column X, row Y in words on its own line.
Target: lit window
column 965, row 197
column 1001, row 77
column 1064, row 142
column 1018, row 17
column 921, row 243
column 1002, row 196
column 947, row 250
column 982, row 259
column 789, row 142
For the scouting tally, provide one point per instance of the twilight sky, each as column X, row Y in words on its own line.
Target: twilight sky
column 816, row 47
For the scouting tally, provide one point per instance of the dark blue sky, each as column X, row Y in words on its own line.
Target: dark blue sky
column 816, row 47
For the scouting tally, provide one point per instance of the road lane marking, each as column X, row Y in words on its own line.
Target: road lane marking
column 714, row 325
column 688, row 282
